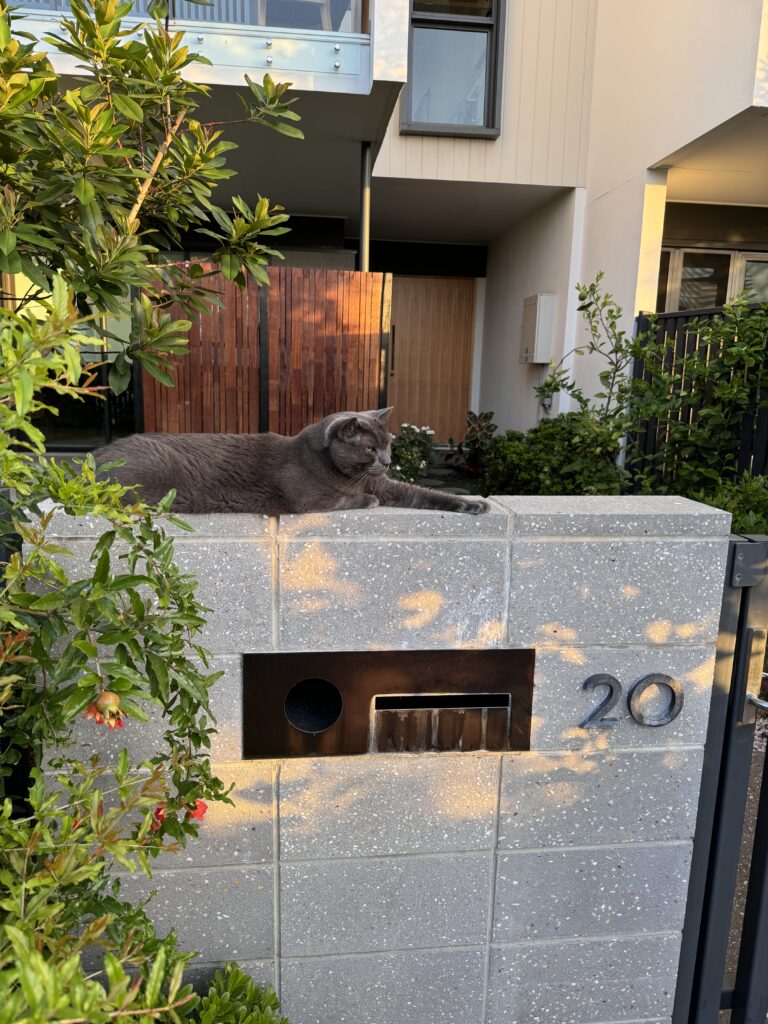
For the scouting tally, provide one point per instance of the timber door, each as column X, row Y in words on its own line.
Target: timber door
column 430, row 359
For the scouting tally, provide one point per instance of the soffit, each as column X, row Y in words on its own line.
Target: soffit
column 451, row 211
column 727, row 165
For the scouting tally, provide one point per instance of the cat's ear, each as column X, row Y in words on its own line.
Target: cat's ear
column 341, row 425
column 380, row 414
column 348, row 428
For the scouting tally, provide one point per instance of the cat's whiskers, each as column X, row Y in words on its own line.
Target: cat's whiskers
column 360, row 475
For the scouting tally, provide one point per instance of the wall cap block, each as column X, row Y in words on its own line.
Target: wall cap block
column 613, row 515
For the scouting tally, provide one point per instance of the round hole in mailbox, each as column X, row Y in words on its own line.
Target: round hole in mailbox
column 313, row 705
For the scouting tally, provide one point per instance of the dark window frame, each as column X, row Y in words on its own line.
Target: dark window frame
column 491, row 26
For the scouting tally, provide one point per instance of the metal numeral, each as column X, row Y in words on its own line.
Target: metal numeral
column 667, row 714
column 596, row 718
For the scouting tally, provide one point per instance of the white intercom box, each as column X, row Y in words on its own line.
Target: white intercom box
column 538, row 328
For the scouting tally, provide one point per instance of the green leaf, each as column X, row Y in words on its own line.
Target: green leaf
column 120, row 374
column 84, row 191
column 49, row 602
column 24, row 388
column 230, row 266
column 128, row 107
column 7, row 242
column 154, row 371
column 289, row 130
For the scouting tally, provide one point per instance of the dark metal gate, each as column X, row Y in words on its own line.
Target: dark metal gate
column 704, row 988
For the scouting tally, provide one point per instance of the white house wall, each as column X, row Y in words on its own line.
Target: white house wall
column 547, row 71
column 665, row 74
column 534, row 256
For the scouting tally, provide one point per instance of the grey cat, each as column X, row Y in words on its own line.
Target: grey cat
column 336, row 464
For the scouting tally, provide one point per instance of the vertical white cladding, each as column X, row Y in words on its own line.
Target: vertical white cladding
column 546, row 82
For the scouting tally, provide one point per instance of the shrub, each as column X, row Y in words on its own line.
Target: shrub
column 505, row 463
column 746, row 498
column 234, row 998
column 412, row 452
column 570, row 454
column 697, row 400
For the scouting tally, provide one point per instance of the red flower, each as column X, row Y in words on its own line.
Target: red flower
column 92, row 712
column 196, row 811
column 106, row 710
column 75, row 823
column 158, row 817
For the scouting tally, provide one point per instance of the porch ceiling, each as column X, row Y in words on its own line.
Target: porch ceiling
column 727, row 165
column 319, row 176
column 451, row 211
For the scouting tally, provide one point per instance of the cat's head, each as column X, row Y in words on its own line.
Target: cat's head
column 358, row 443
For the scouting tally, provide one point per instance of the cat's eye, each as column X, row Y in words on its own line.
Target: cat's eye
column 370, row 450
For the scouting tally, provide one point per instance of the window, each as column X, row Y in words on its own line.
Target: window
column 691, row 279
column 704, row 280
column 454, row 69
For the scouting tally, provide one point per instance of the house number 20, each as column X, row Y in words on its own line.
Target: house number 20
column 597, row 717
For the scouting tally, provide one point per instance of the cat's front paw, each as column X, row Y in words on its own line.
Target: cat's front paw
column 476, row 506
column 369, row 501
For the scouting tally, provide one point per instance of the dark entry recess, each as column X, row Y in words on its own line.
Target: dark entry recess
column 359, row 702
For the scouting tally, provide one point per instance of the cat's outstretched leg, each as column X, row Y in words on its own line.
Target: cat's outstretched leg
column 401, row 495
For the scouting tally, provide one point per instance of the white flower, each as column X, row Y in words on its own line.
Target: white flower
column 403, row 426
column 397, row 468
column 422, row 464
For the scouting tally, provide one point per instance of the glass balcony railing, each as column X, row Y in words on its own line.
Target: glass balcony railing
column 296, row 15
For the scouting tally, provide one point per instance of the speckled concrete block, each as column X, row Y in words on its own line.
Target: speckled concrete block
column 607, row 592
column 226, row 699
column 224, row 913
column 597, row 799
column 423, row 987
column 235, row 583
column 611, row 891
column 414, row 524
column 613, row 516
column 630, row 979
column 379, row 904
column 560, row 704
column 389, row 804
column 235, row 834
column 398, row 594
column 222, row 524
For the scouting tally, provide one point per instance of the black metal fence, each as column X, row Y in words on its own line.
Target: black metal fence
column 682, row 338
column 704, row 988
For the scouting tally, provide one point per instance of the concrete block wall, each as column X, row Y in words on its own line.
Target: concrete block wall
column 540, row 886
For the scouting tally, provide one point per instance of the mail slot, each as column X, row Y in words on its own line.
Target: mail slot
column 355, row 702
column 435, row 721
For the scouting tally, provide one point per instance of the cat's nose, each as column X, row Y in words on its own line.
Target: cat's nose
column 384, row 459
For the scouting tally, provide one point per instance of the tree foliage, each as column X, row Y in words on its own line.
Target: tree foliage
column 101, row 177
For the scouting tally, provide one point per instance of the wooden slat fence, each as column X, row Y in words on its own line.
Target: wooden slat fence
column 313, row 344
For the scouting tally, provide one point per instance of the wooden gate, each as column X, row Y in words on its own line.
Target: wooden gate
column 313, row 343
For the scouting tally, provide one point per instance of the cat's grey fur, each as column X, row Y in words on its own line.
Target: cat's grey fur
column 338, row 463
